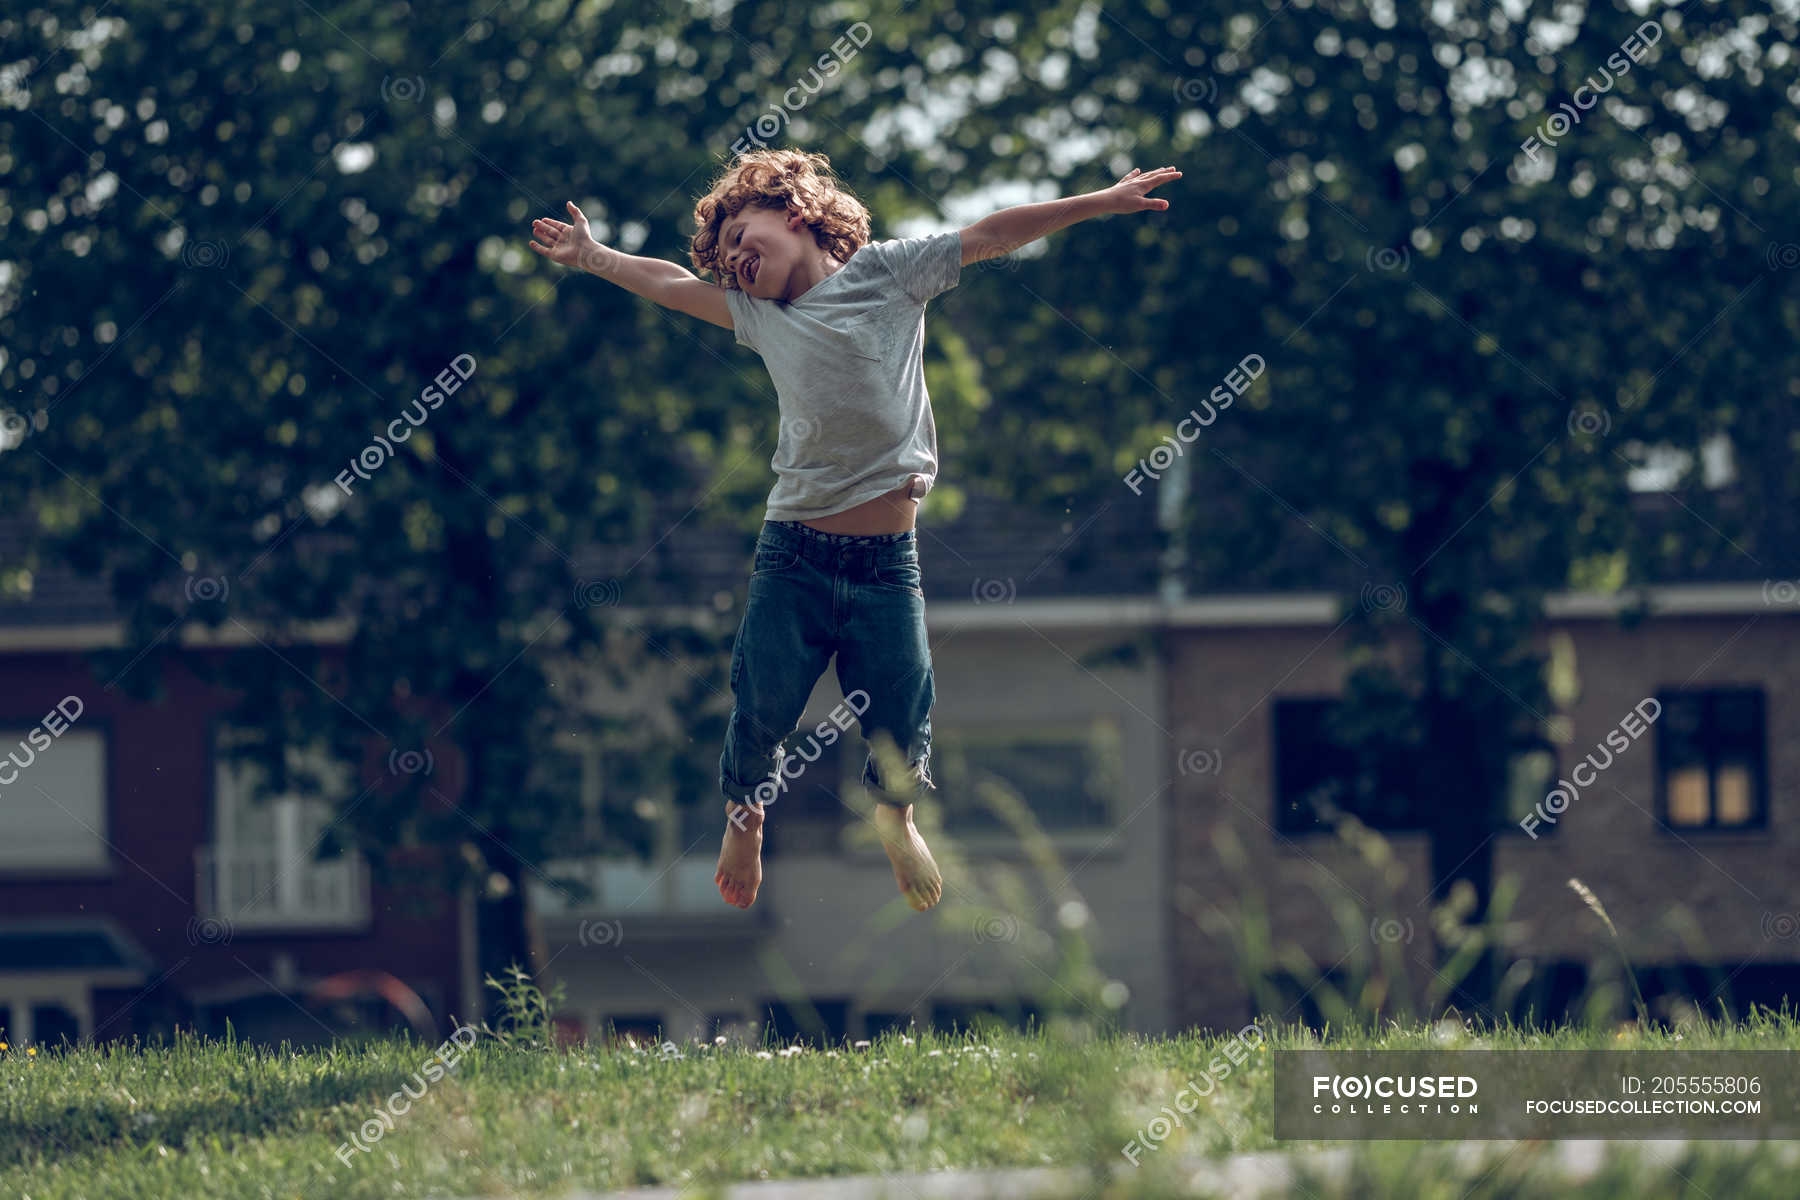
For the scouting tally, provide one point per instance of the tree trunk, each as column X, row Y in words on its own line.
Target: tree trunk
column 504, row 928
column 1462, row 803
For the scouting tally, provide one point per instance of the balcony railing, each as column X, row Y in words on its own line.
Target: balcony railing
column 632, row 887
column 255, row 888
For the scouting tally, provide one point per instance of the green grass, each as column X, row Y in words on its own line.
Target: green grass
column 205, row 1119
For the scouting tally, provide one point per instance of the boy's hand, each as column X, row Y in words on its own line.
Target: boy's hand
column 570, row 245
column 1127, row 195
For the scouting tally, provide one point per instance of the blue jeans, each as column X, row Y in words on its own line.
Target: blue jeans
column 812, row 595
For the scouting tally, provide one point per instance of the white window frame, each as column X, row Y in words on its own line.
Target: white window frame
column 297, row 824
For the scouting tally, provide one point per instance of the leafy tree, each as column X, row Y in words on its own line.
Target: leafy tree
column 1467, row 347
column 243, row 245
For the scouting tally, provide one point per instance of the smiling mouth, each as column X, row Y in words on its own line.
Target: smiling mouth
column 751, row 268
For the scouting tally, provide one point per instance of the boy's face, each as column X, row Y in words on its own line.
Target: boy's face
column 763, row 248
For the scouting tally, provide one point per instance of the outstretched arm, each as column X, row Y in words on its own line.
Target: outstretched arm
column 1007, row 230
column 668, row 284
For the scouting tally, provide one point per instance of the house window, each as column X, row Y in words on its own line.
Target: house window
column 1312, row 772
column 1712, row 759
column 641, row 821
column 261, row 868
column 1065, row 776
column 54, row 800
column 1315, row 774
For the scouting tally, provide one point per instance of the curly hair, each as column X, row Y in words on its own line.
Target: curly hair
column 783, row 180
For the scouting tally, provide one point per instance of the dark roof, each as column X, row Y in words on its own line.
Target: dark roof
column 59, row 596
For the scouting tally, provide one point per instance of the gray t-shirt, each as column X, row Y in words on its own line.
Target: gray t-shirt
column 847, row 358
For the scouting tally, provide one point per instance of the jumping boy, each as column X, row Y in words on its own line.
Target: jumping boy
column 840, row 323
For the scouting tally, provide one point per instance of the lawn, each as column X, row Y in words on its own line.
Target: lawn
column 205, row 1119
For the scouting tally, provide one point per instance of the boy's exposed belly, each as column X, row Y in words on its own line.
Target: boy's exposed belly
column 894, row 512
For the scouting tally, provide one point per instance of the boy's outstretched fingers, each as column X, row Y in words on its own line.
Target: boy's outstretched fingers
column 562, row 242
column 1129, row 191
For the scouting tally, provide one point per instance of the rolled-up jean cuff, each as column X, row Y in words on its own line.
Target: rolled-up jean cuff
column 744, row 795
column 921, row 778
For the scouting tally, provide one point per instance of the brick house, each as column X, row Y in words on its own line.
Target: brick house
column 1687, row 835
column 145, row 883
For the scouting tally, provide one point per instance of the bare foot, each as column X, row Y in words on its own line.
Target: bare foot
column 740, row 858
column 914, row 869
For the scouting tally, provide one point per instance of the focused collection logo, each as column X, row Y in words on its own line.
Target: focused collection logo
column 1393, row 1095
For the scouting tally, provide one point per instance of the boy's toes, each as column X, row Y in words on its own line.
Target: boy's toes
column 736, row 892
